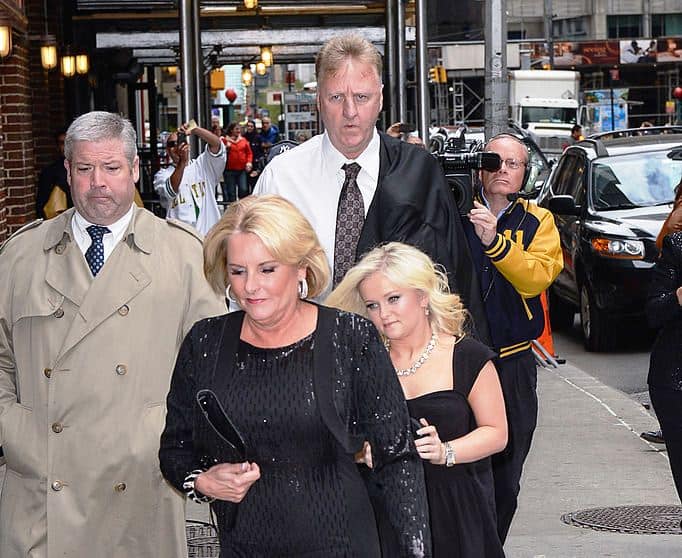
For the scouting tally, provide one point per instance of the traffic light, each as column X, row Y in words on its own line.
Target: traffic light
column 442, row 74
column 433, row 75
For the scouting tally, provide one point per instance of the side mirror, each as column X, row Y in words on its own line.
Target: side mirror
column 563, row 205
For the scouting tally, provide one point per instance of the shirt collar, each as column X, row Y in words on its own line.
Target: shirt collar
column 368, row 159
column 117, row 228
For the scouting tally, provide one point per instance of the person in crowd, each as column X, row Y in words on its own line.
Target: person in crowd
column 186, row 187
column 216, row 128
column 302, row 137
column 53, row 195
column 664, row 311
column 575, row 137
column 269, row 133
column 359, row 187
column 516, row 249
column 672, row 224
column 394, row 130
column 239, row 164
column 97, row 300
column 256, row 144
column 451, row 385
column 303, row 386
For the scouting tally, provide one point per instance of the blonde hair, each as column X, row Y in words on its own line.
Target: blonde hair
column 337, row 50
column 406, row 267
column 282, row 228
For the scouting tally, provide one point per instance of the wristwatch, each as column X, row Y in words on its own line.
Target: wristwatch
column 449, row 455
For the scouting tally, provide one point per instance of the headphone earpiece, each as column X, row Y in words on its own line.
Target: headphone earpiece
column 526, row 172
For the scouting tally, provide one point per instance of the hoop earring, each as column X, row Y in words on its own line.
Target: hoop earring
column 228, row 293
column 303, row 289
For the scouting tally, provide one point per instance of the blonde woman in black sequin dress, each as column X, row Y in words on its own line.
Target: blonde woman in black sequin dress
column 451, row 385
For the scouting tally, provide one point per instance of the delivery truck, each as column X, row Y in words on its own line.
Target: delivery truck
column 546, row 104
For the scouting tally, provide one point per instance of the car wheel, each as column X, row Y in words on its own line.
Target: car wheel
column 597, row 328
column 561, row 314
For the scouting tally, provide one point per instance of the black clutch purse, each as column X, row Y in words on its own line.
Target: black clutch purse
column 226, row 445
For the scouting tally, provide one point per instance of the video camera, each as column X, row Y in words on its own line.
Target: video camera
column 460, row 162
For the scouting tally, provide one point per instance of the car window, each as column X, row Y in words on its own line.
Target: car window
column 635, row 180
column 562, row 183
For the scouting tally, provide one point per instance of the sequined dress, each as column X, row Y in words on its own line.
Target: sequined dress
column 311, row 499
column 461, row 498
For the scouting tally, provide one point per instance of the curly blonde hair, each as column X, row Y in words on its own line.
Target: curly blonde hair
column 282, row 228
column 406, row 267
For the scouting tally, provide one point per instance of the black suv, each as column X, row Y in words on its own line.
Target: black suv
column 610, row 194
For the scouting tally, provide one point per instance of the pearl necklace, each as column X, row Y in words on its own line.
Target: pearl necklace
column 421, row 360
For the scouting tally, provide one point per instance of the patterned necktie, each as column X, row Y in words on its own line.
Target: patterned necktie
column 350, row 216
column 94, row 255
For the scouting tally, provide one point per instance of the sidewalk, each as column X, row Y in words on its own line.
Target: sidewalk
column 587, row 453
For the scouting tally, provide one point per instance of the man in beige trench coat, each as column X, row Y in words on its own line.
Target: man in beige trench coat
column 87, row 349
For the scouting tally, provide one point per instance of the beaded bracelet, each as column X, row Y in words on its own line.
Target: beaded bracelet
column 190, row 490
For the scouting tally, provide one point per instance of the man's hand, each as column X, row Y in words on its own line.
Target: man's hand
column 484, row 222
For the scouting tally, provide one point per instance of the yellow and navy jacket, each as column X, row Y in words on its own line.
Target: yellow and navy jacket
column 522, row 261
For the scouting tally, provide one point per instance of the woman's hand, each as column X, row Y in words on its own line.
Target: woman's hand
column 365, row 455
column 228, row 481
column 430, row 446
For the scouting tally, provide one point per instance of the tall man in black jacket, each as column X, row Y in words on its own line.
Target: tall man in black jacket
column 359, row 187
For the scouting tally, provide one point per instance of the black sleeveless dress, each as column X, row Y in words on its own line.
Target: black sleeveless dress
column 462, row 497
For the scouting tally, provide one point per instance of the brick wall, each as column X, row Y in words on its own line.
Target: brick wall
column 31, row 111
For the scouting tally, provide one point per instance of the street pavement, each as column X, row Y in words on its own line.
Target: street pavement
column 586, row 454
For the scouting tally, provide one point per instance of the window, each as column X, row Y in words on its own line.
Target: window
column 570, row 28
column 663, row 25
column 624, row 26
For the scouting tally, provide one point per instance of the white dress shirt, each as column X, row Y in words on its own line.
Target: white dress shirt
column 79, row 225
column 311, row 177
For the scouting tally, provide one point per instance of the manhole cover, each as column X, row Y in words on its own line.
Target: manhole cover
column 202, row 540
column 629, row 519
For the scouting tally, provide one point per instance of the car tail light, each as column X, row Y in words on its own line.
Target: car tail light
column 617, row 248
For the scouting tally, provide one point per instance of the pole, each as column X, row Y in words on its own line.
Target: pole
column 199, row 77
column 187, row 64
column 423, row 102
column 391, row 64
column 548, row 9
column 401, row 69
column 496, row 85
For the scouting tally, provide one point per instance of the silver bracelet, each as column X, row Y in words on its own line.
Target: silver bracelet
column 190, row 490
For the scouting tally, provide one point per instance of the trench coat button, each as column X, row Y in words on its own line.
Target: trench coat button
column 58, row 313
column 120, row 487
column 57, row 485
column 47, row 372
column 123, row 310
column 121, row 369
column 60, row 248
column 57, row 427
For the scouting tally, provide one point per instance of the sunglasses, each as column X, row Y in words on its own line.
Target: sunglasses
column 171, row 143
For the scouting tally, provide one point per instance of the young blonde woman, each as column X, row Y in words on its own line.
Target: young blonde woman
column 451, row 386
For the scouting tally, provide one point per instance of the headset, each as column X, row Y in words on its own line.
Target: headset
column 526, row 173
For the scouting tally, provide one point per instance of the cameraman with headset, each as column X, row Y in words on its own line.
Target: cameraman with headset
column 516, row 250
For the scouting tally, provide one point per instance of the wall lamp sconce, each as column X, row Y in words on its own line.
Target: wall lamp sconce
column 247, row 75
column 48, row 56
column 250, row 4
column 5, row 40
column 68, row 65
column 82, row 64
column 266, row 55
